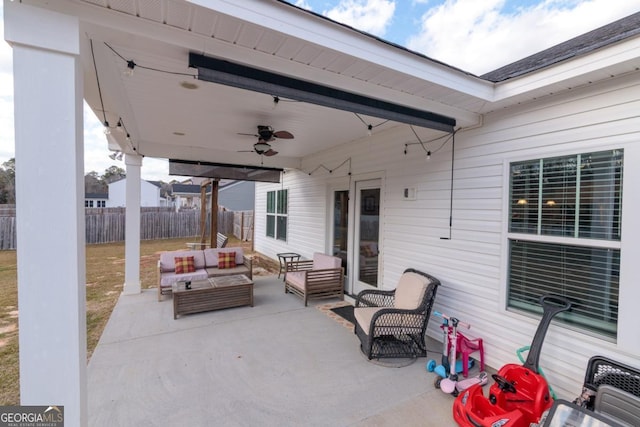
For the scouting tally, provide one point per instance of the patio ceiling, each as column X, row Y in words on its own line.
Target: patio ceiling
column 169, row 113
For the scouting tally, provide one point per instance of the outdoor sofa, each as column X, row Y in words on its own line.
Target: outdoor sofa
column 192, row 265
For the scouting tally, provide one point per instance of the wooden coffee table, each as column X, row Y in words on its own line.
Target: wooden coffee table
column 213, row 293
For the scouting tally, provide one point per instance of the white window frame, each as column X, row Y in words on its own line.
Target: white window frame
column 553, row 239
column 278, row 215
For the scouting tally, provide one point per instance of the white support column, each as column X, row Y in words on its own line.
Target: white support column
column 48, row 92
column 132, row 226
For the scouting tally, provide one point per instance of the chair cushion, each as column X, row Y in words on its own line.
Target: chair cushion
column 410, row 291
column 322, row 261
column 363, row 316
column 184, row 264
column 296, row 279
column 226, row 259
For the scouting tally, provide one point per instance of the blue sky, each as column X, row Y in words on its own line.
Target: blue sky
column 476, row 36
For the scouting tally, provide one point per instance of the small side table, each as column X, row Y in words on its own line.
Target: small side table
column 284, row 258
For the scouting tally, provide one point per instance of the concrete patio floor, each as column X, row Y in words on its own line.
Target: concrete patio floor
column 275, row 364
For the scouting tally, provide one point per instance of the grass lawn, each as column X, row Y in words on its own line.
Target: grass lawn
column 105, row 278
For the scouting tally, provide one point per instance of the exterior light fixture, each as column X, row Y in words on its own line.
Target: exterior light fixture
column 261, row 147
column 130, row 66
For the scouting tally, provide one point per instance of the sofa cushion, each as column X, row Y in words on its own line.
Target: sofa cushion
column 169, row 278
column 211, row 255
column 322, row 261
column 410, row 291
column 167, row 259
column 226, row 259
column 184, row 265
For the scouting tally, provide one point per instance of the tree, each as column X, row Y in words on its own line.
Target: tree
column 113, row 174
column 93, row 183
column 8, row 182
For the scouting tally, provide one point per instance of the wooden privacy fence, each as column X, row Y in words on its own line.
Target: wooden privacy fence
column 106, row 225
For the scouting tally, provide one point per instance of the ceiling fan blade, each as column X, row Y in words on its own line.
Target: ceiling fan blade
column 283, row 134
column 249, row 134
column 270, row 152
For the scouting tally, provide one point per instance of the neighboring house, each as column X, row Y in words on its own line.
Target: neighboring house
column 541, row 197
column 150, row 194
column 95, row 200
column 237, row 195
column 232, row 195
column 186, row 196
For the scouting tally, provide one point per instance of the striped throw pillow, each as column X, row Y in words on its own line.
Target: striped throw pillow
column 226, row 260
column 184, row 265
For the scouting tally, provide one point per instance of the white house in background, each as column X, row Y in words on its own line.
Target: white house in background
column 150, row 194
column 185, row 196
column 95, row 200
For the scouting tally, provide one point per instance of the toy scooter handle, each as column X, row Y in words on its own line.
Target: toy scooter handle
column 554, row 303
column 551, row 305
column 453, row 320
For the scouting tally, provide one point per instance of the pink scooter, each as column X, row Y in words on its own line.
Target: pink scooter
column 451, row 385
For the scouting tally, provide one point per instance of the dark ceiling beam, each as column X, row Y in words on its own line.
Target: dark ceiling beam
column 240, row 76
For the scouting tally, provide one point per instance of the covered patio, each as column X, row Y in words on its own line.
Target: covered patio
column 198, row 82
column 275, row 364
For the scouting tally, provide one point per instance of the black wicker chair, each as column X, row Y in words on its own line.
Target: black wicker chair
column 392, row 324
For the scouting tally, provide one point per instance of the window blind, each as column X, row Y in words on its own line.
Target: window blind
column 575, row 198
column 586, row 276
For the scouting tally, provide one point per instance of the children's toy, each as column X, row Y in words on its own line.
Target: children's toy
column 451, row 341
column 443, row 369
column 520, row 394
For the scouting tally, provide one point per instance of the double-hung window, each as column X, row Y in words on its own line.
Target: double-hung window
column 277, row 214
column 564, row 236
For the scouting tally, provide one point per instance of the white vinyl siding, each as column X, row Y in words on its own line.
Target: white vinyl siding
column 473, row 265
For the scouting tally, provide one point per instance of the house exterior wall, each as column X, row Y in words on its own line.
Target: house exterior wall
column 239, row 196
column 149, row 194
column 472, row 266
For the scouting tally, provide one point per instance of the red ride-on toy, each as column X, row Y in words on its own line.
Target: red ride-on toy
column 520, row 394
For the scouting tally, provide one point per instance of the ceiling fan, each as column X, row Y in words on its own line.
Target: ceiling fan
column 265, row 135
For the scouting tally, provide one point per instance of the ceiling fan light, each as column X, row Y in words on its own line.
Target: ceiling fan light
column 261, row 146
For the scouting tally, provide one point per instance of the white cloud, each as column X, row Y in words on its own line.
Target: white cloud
column 372, row 16
column 303, row 4
column 477, row 36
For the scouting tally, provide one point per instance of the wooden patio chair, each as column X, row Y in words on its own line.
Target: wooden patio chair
column 321, row 277
column 221, row 240
column 392, row 324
